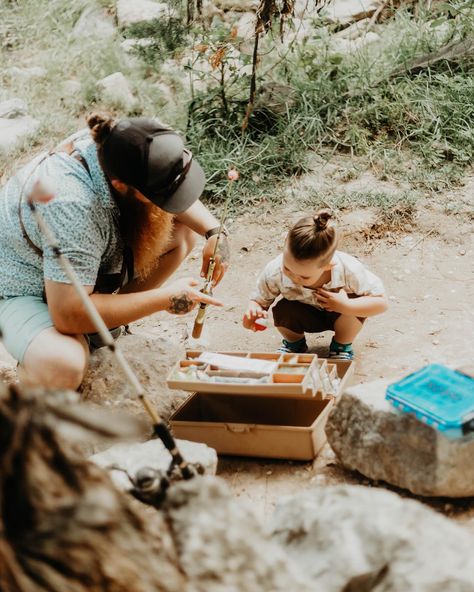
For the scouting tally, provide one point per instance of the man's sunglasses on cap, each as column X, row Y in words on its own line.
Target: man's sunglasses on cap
column 168, row 190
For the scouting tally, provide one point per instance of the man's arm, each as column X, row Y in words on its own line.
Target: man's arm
column 199, row 218
column 70, row 316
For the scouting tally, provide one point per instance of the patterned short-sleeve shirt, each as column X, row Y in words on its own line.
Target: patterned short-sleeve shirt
column 347, row 273
column 83, row 216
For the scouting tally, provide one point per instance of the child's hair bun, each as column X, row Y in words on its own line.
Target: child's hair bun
column 321, row 219
column 100, row 125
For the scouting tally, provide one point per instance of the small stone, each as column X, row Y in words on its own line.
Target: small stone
column 435, row 342
column 462, row 252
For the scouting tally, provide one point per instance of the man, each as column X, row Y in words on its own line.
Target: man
column 120, row 187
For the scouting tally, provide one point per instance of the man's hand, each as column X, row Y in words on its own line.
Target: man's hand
column 222, row 257
column 333, row 301
column 254, row 311
column 183, row 296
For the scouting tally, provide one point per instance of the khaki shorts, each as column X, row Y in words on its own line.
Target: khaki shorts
column 22, row 318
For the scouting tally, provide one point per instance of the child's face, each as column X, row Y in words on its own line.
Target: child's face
column 304, row 272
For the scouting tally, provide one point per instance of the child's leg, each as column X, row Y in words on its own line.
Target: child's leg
column 346, row 329
column 293, row 319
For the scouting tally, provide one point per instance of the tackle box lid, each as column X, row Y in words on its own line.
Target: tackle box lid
column 436, row 395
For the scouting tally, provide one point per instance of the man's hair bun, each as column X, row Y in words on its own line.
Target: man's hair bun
column 100, row 125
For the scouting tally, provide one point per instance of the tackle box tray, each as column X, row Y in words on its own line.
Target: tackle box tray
column 269, row 425
column 438, row 396
column 292, row 375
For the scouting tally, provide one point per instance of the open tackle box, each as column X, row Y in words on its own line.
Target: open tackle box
column 260, row 404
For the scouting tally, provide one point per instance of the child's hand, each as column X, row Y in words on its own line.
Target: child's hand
column 254, row 311
column 333, row 301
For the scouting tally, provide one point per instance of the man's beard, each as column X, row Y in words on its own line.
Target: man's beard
column 146, row 229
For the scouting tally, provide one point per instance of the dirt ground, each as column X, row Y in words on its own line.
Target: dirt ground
column 428, row 273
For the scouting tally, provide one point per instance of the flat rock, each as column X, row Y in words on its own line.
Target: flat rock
column 353, row 538
column 130, row 12
column 151, row 358
column 133, row 457
column 14, row 131
column 369, row 436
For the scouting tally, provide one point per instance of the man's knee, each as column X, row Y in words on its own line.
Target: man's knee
column 61, row 363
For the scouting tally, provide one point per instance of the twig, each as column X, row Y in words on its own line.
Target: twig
column 419, row 241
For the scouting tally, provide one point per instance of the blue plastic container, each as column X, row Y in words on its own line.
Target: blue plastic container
column 437, row 396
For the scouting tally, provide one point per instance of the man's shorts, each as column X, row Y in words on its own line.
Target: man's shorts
column 304, row 318
column 22, row 318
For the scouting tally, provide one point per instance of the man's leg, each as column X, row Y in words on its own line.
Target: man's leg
column 182, row 243
column 46, row 357
column 55, row 360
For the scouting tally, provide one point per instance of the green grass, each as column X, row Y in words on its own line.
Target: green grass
column 412, row 127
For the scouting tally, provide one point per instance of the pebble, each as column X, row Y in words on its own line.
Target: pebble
column 435, row 342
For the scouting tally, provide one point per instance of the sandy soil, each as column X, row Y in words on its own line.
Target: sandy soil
column 428, row 273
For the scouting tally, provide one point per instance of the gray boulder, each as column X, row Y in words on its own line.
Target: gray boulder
column 26, row 74
column 116, row 89
column 221, row 545
column 138, row 11
column 151, row 358
column 15, row 125
column 368, row 435
column 12, row 109
column 353, row 538
column 94, row 22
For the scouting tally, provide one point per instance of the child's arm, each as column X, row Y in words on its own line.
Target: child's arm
column 266, row 290
column 254, row 311
column 360, row 306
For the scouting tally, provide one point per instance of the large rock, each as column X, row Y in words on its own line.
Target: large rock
column 115, row 89
column 12, row 109
column 221, row 545
column 94, row 22
column 133, row 457
column 348, row 11
column 151, row 358
column 369, row 436
column 130, row 12
column 15, row 125
column 353, row 538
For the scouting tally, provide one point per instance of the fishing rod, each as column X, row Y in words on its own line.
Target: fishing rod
column 42, row 193
column 232, row 176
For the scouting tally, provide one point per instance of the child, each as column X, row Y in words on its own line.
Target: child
column 322, row 289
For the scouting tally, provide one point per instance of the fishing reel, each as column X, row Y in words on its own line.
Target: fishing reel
column 150, row 485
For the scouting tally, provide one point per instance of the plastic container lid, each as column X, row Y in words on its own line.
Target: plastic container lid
column 437, row 396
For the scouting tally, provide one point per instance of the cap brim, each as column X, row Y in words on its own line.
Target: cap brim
column 188, row 192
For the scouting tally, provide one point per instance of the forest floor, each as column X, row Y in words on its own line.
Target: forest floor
column 428, row 271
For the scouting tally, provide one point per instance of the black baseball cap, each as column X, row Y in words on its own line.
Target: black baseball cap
column 152, row 158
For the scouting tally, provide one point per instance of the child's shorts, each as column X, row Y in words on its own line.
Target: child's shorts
column 303, row 318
